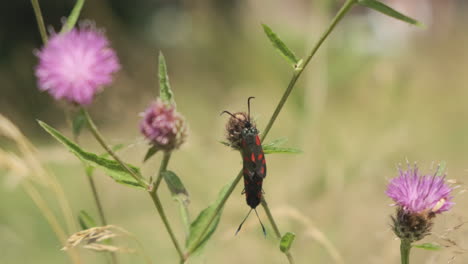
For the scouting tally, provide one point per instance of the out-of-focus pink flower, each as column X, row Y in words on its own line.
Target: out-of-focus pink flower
column 76, row 65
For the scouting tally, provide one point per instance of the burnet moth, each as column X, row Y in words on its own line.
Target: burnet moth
column 254, row 164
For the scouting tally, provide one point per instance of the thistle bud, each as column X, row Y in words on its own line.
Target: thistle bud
column 234, row 127
column 163, row 126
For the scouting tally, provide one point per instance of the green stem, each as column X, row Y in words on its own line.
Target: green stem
column 275, row 227
column 158, row 204
column 405, row 248
column 40, row 20
column 297, row 73
column 162, row 168
column 101, row 141
column 152, row 191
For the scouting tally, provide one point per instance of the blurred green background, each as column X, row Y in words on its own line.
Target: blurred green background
column 378, row 93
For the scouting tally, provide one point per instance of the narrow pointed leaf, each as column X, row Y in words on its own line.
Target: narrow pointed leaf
column 382, row 8
column 180, row 195
column 73, row 17
column 175, row 184
column 150, row 153
column 200, row 223
column 111, row 167
column 428, row 246
column 86, row 221
column 286, row 242
column 283, row 150
column 280, row 46
column 165, row 92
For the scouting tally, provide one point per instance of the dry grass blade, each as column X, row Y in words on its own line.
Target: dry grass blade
column 311, row 231
column 90, row 236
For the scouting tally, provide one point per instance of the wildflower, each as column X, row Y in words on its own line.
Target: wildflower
column 163, row 126
column 234, row 127
column 419, row 199
column 76, row 65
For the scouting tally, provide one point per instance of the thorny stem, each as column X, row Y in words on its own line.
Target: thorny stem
column 297, row 73
column 152, row 191
column 158, row 204
column 101, row 141
column 40, row 20
column 405, row 248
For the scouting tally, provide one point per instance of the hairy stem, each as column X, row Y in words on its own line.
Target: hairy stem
column 405, row 248
column 40, row 20
column 297, row 73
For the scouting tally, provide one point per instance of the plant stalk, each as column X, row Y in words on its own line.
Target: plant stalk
column 297, row 73
column 151, row 191
column 102, row 142
column 40, row 20
column 405, row 248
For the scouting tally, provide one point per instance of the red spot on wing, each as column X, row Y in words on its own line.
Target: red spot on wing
column 260, row 156
column 262, row 170
column 246, row 158
column 257, row 141
column 252, row 157
column 263, row 161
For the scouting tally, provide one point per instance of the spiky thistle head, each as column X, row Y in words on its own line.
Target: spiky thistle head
column 419, row 199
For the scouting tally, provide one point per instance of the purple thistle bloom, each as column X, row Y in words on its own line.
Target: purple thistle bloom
column 163, row 126
column 76, row 65
column 416, row 193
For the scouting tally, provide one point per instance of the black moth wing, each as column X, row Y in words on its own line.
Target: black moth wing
column 253, row 157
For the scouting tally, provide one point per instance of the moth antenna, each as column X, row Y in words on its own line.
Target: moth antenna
column 229, row 113
column 263, row 227
column 248, row 106
column 240, row 226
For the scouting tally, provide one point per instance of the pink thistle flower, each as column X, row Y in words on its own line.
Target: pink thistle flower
column 163, row 126
column 76, row 65
column 416, row 193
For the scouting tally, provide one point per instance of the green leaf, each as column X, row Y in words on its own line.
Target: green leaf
column 428, row 246
column 175, row 184
column 382, row 8
column 78, row 123
column 280, row 46
column 151, row 151
column 73, row 17
column 286, row 242
column 272, row 150
column 275, row 147
column 111, row 167
column 179, row 194
column 201, row 222
column 165, row 92
column 86, row 221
